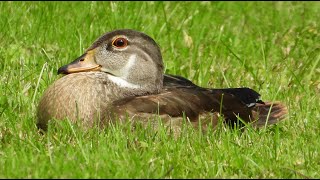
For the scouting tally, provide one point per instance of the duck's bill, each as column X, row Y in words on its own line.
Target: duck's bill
column 82, row 64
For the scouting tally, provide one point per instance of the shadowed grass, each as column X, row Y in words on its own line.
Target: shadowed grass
column 272, row 47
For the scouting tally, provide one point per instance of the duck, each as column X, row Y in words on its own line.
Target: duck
column 120, row 78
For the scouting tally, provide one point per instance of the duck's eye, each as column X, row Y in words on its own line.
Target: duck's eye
column 120, row 42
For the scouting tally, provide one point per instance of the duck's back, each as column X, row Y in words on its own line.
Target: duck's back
column 181, row 98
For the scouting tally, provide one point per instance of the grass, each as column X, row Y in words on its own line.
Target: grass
column 272, row 47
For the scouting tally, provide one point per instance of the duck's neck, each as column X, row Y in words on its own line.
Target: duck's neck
column 115, row 88
column 134, row 88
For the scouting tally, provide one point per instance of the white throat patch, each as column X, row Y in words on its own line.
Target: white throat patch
column 122, row 83
column 125, row 70
column 124, row 73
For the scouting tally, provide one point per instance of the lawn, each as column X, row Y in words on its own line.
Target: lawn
column 272, row 47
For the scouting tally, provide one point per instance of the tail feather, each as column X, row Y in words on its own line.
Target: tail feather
column 269, row 113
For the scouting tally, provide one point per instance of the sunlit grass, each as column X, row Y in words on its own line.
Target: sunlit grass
column 272, row 47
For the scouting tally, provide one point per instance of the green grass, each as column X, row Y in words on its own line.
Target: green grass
column 272, row 47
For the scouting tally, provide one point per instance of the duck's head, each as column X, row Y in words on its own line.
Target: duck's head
column 130, row 58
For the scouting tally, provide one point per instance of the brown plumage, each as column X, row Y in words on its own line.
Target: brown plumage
column 120, row 77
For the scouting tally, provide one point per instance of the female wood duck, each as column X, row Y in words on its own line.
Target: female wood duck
column 120, row 77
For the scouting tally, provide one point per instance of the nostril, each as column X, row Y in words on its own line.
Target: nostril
column 82, row 59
